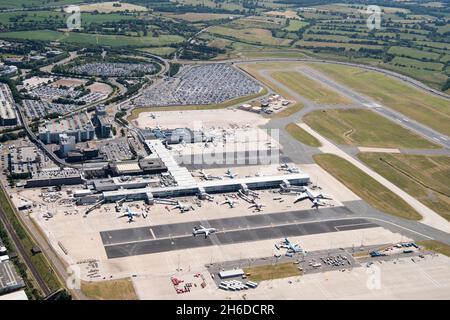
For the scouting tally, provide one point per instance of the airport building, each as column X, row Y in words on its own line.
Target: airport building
column 209, row 187
column 8, row 115
column 22, row 162
column 55, row 177
column 79, row 126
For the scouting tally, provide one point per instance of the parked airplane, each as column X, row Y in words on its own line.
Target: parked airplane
column 229, row 201
column 286, row 167
column 207, row 176
column 257, row 206
column 230, row 174
column 316, row 199
column 131, row 214
column 202, row 230
column 289, row 246
column 183, row 207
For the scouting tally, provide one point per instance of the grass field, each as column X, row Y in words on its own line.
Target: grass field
column 195, row 16
column 309, row 88
column 364, row 128
column 295, row 25
column 435, row 246
column 94, row 39
column 159, row 51
column 367, row 188
column 136, row 111
column 109, row 290
column 302, row 136
column 249, row 35
column 413, row 53
column 399, row 96
column 18, row 4
column 275, row 271
column 426, row 178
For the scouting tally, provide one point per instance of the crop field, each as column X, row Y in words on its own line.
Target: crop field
column 251, row 35
column 309, row 88
column 366, row 187
column 195, row 17
column 412, row 102
column 364, row 128
column 18, row 4
column 93, row 39
column 413, row 53
column 426, row 178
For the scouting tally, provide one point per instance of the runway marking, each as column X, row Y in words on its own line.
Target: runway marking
column 240, row 229
column 153, row 234
column 351, row 225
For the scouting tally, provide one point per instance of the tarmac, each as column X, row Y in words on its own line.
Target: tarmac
column 162, row 238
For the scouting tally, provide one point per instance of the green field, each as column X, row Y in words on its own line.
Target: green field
column 295, row 25
column 426, row 178
column 18, row 4
column 94, row 39
column 367, row 188
column 301, row 135
column 249, row 35
column 412, row 102
column 159, row 51
column 413, row 53
column 309, row 88
column 364, row 128
column 272, row 271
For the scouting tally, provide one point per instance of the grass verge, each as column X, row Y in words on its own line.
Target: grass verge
column 425, row 177
column 364, row 128
column 435, row 246
column 367, row 188
column 121, row 289
column 301, row 135
column 42, row 265
column 272, row 271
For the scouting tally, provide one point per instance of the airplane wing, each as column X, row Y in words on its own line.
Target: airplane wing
column 301, row 198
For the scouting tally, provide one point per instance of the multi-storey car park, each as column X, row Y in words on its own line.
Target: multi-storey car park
column 200, row 85
column 78, row 126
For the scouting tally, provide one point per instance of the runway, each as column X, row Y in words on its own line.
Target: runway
column 161, row 238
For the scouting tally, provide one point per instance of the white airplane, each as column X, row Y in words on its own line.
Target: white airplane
column 202, row 230
column 207, row 176
column 183, row 207
column 316, row 199
column 230, row 174
column 229, row 201
column 257, row 206
column 289, row 246
column 131, row 214
column 286, row 167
